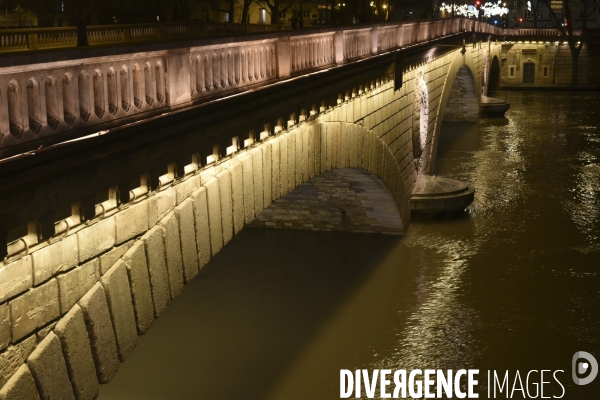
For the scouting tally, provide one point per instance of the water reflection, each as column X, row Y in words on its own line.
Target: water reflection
column 494, row 282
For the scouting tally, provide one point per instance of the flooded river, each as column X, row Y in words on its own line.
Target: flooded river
column 513, row 284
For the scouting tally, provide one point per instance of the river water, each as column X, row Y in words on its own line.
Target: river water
column 513, row 284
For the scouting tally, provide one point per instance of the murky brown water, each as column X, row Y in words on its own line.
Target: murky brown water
column 512, row 285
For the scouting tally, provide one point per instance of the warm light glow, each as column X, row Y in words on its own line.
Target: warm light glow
column 489, row 9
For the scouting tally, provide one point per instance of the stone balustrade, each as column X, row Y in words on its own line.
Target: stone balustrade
column 16, row 40
column 537, row 32
column 47, row 102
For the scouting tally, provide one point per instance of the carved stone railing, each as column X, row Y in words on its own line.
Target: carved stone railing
column 312, row 51
column 537, row 32
column 47, row 102
column 12, row 40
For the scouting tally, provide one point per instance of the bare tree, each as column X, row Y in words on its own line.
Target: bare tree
column 536, row 6
column 245, row 10
column 568, row 29
column 276, row 7
column 432, row 8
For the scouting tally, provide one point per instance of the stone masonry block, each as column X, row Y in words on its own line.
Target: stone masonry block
column 170, row 231
column 110, row 258
column 237, row 195
column 187, row 232
column 55, row 258
column 305, row 153
column 248, row 181
column 311, row 151
column 73, row 336
column 131, row 222
column 344, row 146
column 323, row 149
column 100, row 332
column 266, row 174
column 75, row 283
column 202, row 228
column 329, row 137
column 298, row 157
column 49, row 370
column 34, row 309
column 291, row 160
column 15, row 278
column 21, row 386
column 336, row 143
column 209, row 172
column 258, row 182
column 120, row 306
column 297, row 135
column 224, row 179
column 317, row 149
column 184, row 189
column 14, row 356
column 275, row 170
column 96, row 238
column 43, row 332
column 139, row 281
column 159, row 205
column 283, row 165
column 157, row 269
column 354, row 133
column 213, row 201
column 4, row 326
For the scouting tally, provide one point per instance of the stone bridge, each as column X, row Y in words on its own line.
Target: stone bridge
column 104, row 225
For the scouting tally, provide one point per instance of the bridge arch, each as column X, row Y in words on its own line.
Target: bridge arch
column 139, row 254
column 461, row 96
column 494, row 79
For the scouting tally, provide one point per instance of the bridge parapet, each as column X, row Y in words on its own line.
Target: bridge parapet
column 537, row 32
column 19, row 40
column 42, row 103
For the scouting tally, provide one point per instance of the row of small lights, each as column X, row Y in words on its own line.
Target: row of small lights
column 489, row 9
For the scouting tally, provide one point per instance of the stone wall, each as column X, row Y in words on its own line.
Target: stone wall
column 552, row 64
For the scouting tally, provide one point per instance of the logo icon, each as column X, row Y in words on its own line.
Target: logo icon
column 581, row 367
